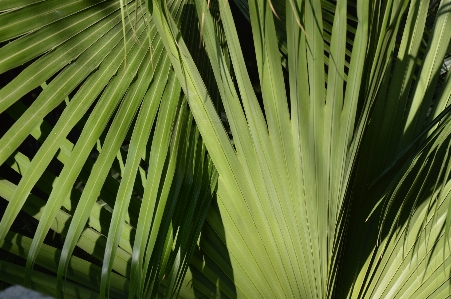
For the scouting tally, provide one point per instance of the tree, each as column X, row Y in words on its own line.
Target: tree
column 328, row 177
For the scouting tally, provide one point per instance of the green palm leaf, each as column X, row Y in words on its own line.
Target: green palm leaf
column 270, row 236
column 108, row 83
column 327, row 178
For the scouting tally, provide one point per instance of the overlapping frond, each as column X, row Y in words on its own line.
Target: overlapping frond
column 116, row 160
column 327, row 178
column 291, row 192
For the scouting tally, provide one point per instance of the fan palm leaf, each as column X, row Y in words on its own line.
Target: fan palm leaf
column 286, row 211
column 333, row 181
column 103, row 66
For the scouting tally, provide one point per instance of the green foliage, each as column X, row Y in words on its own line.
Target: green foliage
column 328, row 177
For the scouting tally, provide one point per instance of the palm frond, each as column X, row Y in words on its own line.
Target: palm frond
column 107, row 173
column 291, row 211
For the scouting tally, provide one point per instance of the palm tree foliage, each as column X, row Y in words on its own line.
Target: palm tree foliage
column 328, row 177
